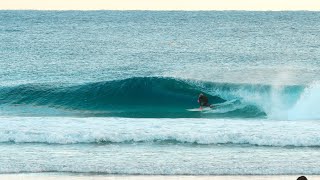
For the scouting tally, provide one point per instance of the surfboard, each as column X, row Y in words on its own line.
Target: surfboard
column 198, row 109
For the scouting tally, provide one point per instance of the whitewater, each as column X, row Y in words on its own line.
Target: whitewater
column 108, row 92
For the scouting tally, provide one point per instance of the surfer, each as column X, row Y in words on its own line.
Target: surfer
column 203, row 101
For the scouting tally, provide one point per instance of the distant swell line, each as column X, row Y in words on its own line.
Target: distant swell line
column 233, row 140
column 165, row 142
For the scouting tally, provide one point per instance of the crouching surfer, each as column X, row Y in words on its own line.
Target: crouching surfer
column 204, row 101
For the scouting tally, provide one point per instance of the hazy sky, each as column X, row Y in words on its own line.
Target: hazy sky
column 161, row 4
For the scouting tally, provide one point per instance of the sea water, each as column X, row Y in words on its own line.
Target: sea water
column 107, row 92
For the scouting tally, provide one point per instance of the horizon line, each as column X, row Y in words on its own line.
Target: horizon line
column 163, row 5
column 159, row 10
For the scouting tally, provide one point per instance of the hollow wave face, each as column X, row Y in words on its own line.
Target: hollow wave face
column 164, row 97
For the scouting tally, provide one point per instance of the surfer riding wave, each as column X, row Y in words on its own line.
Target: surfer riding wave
column 204, row 101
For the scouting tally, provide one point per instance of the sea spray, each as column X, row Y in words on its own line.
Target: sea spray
column 307, row 107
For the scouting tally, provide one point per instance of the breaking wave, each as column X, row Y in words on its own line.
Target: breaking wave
column 166, row 97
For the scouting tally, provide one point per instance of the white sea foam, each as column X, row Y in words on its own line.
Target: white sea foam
column 158, row 146
column 121, row 130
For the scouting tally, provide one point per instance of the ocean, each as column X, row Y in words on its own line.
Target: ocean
column 109, row 92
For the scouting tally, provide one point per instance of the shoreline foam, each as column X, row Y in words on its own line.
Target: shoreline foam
column 56, row 176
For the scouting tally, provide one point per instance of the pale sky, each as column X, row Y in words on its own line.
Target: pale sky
column 275, row 5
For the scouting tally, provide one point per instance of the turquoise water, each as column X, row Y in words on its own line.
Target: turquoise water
column 107, row 92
